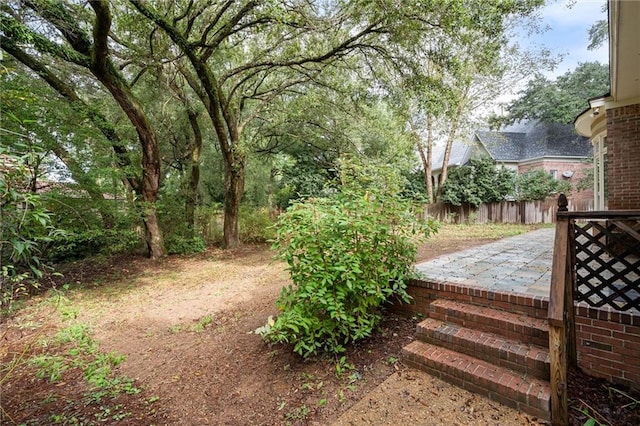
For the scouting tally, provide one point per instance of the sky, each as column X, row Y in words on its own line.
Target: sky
column 567, row 24
column 568, row 32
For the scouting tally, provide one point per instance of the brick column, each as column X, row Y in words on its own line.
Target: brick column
column 623, row 154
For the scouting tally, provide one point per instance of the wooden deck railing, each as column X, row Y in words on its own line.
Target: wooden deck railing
column 596, row 260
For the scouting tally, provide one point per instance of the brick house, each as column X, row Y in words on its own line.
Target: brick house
column 612, row 121
column 554, row 148
column 608, row 339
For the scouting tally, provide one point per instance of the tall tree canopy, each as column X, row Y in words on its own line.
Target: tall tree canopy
column 246, row 55
column 558, row 101
column 175, row 83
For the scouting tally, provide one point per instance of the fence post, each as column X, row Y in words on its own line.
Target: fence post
column 557, row 327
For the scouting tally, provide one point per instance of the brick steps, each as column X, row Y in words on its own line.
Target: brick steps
column 518, row 356
column 522, row 392
column 502, row 355
column 508, row 324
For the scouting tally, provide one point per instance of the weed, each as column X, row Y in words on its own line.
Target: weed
column 203, row 323
column 49, row 367
column 299, row 413
column 76, row 349
column 393, row 360
column 354, row 377
column 342, row 366
column 634, row 402
column 176, row 328
column 52, row 397
column 115, row 413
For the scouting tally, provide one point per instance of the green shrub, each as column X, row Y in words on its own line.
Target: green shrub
column 255, row 225
column 538, row 185
column 73, row 245
column 25, row 226
column 479, row 182
column 347, row 255
column 180, row 244
column 209, row 223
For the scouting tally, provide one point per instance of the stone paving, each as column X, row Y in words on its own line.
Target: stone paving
column 520, row 264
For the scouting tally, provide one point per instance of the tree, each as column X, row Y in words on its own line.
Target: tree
column 52, row 123
column 599, row 32
column 316, row 131
column 236, row 89
column 558, row 101
column 479, row 182
column 94, row 54
column 24, row 224
column 246, row 55
column 457, row 79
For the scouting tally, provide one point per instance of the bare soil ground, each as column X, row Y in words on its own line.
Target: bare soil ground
column 185, row 326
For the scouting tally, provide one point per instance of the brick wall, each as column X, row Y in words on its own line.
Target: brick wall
column 578, row 167
column 608, row 344
column 623, row 152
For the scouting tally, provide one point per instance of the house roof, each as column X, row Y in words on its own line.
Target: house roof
column 540, row 140
column 460, row 153
column 624, row 49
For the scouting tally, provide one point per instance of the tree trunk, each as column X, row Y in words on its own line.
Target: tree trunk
column 426, row 168
column 191, row 193
column 233, row 190
column 153, row 234
column 429, row 169
column 447, row 153
column 104, row 70
column 427, row 159
column 453, row 131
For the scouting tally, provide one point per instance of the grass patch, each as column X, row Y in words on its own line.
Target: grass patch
column 67, row 374
column 496, row 231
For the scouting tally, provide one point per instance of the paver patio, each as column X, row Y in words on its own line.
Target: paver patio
column 520, row 264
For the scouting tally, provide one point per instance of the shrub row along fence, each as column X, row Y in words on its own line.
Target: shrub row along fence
column 504, row 212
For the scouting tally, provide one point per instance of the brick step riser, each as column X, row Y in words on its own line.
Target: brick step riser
column 526, row 394
column 424, row 292
column 533, row 361
column 509, row 330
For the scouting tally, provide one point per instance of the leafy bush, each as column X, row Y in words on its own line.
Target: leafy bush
column 180, row 244
column 347, row 255
column 478, row 183
column 255, row 225
column 25, row 225
column 209, row 223
column 538, row 185
column 72, row 245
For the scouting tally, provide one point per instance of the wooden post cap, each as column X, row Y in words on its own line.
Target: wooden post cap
column 563, row 203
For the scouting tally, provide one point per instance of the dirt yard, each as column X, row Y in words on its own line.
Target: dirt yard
column 185, row 327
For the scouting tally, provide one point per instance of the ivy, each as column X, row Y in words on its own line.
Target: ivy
column 347, row 255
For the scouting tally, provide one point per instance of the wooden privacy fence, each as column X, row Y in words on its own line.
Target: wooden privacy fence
column 503, row 212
